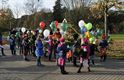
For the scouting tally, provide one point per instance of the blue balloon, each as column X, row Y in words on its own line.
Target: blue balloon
column 92, row 33
column 83, row 30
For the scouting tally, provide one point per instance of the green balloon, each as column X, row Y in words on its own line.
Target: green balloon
column 88, row 26
column 64, row 26
column 52, row 26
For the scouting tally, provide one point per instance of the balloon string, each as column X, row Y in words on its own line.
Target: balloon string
column 75, row 30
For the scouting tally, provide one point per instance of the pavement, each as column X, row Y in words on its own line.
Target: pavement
column 15, row 68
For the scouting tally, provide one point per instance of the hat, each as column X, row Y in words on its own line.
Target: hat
column 84, row 41
column 103, row 36
column 61, row 39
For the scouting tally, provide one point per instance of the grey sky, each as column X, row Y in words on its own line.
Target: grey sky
column 14, row 4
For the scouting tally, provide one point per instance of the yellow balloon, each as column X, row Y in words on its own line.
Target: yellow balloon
column 87, row 34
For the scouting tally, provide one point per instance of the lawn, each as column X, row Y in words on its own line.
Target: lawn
column 117, row 48
column 117, row 36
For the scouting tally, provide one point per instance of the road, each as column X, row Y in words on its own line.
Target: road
column 15, row 68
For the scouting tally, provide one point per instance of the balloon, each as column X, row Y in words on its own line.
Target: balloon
column 61, row 31
column 87, row 34
column 92, row 33
column 46, row 33
column 23, row 29
column 33, row 32
column 64, row 26
column 28, row 32
column 42, row 25
column 88, row 26
column 52, row 26
column 92, row 39
column 40, row 31
column 64, row 20
column 83, row 30
column 56, row 24
column 81, row 23
column 99, row 32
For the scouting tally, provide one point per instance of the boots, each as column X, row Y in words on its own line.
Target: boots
column 89, row 69
column 79, row 70
column 74, row 62
column 2, row 50
column 63, row 70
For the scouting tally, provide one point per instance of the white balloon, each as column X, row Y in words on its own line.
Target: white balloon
column 23, row 29
column 81, row 23
column 46, row 33
column 28, row 32
column 61, row 31
column 40, row 31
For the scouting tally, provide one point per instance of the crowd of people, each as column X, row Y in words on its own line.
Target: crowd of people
column 55, row 47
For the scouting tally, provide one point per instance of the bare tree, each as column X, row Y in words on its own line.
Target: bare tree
column 31, row 7
column 76, row 10
column 17, row 11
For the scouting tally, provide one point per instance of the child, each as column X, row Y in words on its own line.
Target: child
column 2, row 48
column 61, row 54
column 84, row 55
column 26, row 49
column 103, row 47
column 12, row 44
column 39, row 50
column 76, row 48
column 50, row 47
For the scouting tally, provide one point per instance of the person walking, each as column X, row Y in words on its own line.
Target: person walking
column 84, row 55
column 103, row 48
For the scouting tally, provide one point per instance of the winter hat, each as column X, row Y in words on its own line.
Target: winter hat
column 61, row 39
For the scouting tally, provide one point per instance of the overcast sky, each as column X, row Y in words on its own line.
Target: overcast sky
column 48, row 4
column 13, row 4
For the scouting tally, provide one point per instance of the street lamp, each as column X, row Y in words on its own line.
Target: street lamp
column 105, row 18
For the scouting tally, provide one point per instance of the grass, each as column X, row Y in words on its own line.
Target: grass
column 117, row 36
column 117, row 48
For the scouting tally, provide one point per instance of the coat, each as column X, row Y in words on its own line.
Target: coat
column 39, row 48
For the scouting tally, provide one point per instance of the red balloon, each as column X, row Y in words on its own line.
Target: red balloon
column 42, row 25
column 56, row 24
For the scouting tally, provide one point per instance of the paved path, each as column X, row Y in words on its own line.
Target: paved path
column 14, row 68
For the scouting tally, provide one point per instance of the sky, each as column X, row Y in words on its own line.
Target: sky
column 14, row 4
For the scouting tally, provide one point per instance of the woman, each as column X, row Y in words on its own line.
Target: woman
column 39, row 50
column 61, row 55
